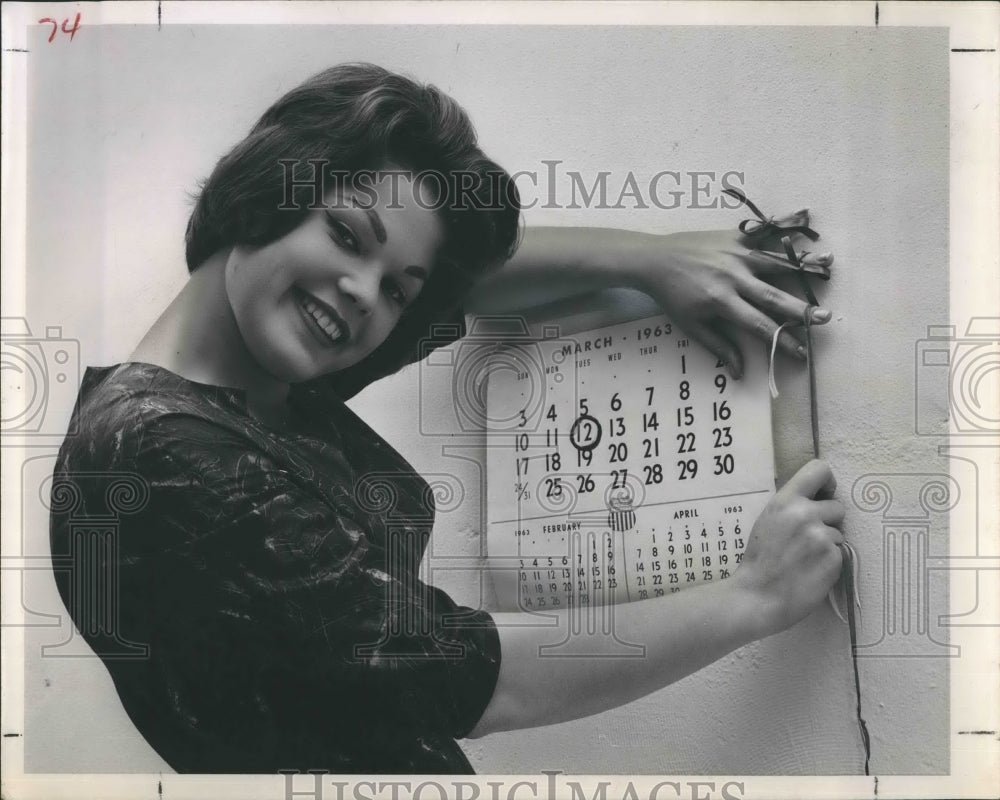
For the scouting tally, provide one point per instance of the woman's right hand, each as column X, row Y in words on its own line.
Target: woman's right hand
column 792, row 559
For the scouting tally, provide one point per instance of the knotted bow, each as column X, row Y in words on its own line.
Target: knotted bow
column 764, row 225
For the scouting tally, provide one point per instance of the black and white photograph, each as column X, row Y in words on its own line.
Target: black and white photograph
column 501, row 401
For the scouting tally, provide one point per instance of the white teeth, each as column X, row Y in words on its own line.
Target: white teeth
column 329, row 327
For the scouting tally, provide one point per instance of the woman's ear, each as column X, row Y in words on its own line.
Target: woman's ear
column 233, row 258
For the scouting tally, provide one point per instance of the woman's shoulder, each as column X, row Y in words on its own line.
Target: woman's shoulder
column 147, row 390
column 120, row 403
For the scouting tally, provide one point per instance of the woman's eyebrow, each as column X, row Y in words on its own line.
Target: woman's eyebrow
column 377, row 227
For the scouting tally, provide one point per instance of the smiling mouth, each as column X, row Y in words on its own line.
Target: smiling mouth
column 323, row 320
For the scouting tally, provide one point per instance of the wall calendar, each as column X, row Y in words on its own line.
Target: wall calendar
column 623, row 463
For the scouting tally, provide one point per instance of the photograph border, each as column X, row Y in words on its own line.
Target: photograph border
column 974, row 211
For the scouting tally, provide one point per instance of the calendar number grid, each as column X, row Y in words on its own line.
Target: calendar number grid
column 640, row 477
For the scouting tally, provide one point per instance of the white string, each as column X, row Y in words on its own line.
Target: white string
column 832, row 596
column 770, row 365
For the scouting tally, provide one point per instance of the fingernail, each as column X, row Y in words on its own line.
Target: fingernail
column 734, row 371
column 801, row 353
column 821, row 315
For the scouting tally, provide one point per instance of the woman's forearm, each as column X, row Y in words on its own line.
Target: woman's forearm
column 554, row 263
column 791, row 561
column 707, row 282
column 541, row 682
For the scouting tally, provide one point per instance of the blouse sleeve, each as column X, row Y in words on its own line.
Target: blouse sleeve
column 278, row 594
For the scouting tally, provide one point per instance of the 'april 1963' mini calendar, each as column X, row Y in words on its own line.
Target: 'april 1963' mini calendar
column 623, row 463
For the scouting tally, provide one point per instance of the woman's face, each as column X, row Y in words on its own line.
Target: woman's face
column 324, row 296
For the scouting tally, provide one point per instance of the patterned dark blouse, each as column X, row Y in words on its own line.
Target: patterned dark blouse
column 272, row 578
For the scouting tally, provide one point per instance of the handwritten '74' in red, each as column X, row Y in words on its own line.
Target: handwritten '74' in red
column 55, row 26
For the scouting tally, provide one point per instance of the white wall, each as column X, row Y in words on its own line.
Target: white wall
column 851, row 122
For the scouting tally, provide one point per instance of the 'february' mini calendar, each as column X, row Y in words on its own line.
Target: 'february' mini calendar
column 623, row 463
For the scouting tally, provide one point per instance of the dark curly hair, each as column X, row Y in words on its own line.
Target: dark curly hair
column 355, row 117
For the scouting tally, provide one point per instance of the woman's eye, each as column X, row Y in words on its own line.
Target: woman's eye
column 343, row 235
column 395, row 291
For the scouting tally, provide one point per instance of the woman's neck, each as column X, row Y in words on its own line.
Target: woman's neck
column 197, row 338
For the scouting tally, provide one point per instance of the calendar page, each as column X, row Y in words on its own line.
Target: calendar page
column 623, row 463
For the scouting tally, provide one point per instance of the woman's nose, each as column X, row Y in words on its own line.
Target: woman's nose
column 361, row 289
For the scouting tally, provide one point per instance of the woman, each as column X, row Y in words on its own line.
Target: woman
column 271, row 575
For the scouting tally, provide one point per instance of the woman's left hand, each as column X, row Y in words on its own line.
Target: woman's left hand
column 712, row 283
